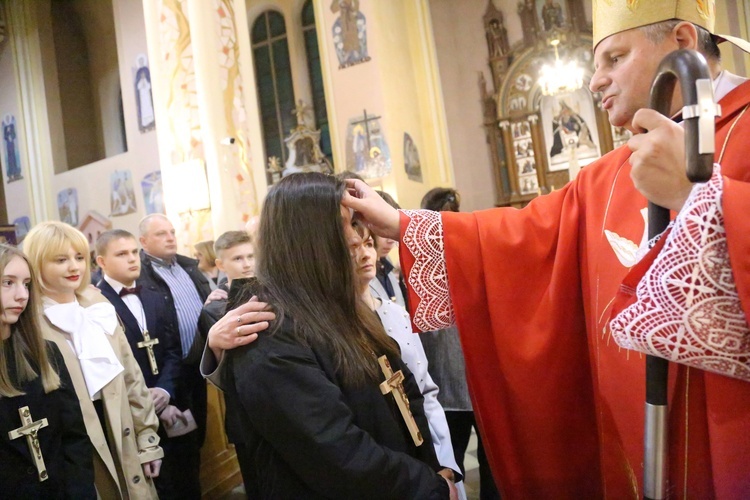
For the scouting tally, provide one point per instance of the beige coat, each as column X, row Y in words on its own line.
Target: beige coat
column 129, row 410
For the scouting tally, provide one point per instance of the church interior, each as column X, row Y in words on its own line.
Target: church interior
column 115, row 109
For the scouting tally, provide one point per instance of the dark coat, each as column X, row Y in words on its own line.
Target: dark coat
column 66, row 448
column 319, row 438
column 191, row 392
column 167, row 352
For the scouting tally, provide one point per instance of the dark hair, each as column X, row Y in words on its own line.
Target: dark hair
column 388, row 199
column 441, row 200
column 25, row 344
column 107, row 237
column 707, row 46
column 348, row 174
column 304, row 269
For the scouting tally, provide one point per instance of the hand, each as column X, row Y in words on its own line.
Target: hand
column 170, row 415
column 160, row 397
column 658, row 160
column 151, row 469
column 217, row 294
column 451, row 487
column 239, row 326
column 380, row 217
column 447, row 474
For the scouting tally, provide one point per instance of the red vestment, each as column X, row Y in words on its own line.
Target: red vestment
column 560, row 405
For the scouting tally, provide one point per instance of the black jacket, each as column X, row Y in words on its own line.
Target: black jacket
column 318, row 438
column 150, row 279
column 66, row 448
column 167, row 352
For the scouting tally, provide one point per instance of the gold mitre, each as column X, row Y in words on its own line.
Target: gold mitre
column 614, row 16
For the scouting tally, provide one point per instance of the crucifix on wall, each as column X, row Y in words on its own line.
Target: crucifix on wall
column 367, row 150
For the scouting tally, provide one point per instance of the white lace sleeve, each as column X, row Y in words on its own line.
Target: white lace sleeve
column 688, row 310
column 428, row 278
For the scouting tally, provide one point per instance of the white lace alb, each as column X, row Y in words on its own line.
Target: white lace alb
column 688, row 310
column 428, row 278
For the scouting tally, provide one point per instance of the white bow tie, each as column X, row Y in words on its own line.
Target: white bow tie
column 87, row 328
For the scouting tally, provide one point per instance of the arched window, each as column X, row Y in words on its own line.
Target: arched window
column 273, row 78
column 316, row 78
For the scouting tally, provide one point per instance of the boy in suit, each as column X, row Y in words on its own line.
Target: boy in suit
column 151, row 336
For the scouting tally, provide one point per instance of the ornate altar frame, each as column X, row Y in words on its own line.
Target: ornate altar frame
column 517, row 114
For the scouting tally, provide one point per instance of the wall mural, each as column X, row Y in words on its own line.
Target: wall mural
column 153, row 196
column 67, row 206
column 143, row 96
column 23, row 226
column 122, row 194
column 349, row 33
column 367, row 151
column 11, row 148
column 411, row 159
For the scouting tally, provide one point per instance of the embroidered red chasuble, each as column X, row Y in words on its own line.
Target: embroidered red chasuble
column 559, row 404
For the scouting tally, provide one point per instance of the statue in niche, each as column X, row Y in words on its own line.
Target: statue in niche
column 529, row 21
column 497, row 38
column 349, row 33
column 552, row 15
column 569, row 130
column 143, row 96
column 303, row 145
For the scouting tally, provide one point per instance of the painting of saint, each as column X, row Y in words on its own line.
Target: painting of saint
column 349, row 33
column 122, row 199
column 411, row 159
column 67, row 206
column 143, row 95
column 552, row 15
column 10, row 146
column 569, row 127
column 153, row 195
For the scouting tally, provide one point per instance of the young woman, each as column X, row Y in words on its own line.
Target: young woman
column 118, row 410
column 33, row 378
column 397, row 325
column 308, row 389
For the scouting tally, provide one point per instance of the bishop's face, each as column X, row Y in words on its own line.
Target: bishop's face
column 626, row 64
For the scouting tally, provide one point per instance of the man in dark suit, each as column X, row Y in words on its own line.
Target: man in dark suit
column 185, row 289
column 152, row 338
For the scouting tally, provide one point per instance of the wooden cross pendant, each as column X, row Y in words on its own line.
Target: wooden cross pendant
column 29, row 428
column 394, row 383
column 148, row 343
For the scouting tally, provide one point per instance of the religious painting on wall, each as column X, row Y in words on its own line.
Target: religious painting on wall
column 367, row 151
column 349, row 33
column 553, row 14
column 143, row 96
column 411, row 159
column 67, row 206
column 11, row 153
column 153, row 196
column 569, row 126
column 122, row 195
column 23, row 226
column 523, row 147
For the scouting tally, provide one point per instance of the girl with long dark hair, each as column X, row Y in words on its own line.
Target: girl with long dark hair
column 44, row 449
column 309, row 389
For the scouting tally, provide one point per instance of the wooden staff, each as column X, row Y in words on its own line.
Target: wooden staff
column 698, row 113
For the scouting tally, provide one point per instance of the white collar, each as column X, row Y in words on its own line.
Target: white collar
column 726, row 82
column 116, row 285
column 88, row 328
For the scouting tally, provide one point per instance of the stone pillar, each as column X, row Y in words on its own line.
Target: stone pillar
column 201, row 108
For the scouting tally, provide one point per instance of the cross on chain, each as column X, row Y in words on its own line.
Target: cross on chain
column 148, row 343
column 394, row 383
column 29, row 428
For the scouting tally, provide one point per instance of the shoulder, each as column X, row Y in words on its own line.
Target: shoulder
column 91, row 295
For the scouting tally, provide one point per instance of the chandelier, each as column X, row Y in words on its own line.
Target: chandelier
column 561, row 77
